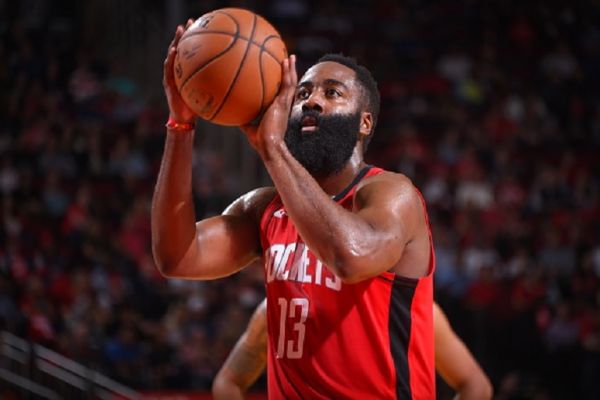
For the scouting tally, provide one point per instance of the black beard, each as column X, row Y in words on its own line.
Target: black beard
column 325, row 151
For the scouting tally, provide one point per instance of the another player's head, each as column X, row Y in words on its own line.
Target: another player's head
column 334, row 111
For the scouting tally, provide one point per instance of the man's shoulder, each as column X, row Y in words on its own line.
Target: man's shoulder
column 389, row 180
column 260, row 195
column 253, row 203
column 389, row 190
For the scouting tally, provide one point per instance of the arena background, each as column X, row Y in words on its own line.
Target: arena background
column 491, row 107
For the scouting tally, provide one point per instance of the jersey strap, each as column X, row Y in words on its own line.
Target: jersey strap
column 361, row 174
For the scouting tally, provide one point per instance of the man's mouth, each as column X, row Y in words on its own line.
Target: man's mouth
column 309, row 124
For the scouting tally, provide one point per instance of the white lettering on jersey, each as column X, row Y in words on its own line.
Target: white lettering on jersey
column 282, row 273
column 318, row 272
column 294, row 262
column 273, row 259
column 335, row 283
column 303, row 275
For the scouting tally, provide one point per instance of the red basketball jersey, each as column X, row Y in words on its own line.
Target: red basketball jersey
column 330, row 340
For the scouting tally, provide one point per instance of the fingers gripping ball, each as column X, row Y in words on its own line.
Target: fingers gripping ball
column 228, row 66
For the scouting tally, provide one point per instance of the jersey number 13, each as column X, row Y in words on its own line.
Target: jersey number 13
column 297, row 309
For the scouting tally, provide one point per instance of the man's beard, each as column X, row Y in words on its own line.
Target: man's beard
column 326, row 150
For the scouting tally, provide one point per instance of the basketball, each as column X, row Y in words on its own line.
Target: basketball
column 228, row 66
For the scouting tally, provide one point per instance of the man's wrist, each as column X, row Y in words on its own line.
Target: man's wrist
column 272, row 148
column 174, row 125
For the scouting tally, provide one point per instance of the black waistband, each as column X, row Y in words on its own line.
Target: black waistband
column 356, row 179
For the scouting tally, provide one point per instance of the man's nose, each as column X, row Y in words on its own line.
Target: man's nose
column 314, row 102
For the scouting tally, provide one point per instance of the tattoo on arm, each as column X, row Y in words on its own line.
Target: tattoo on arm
column 248, row 358
column 245, row 364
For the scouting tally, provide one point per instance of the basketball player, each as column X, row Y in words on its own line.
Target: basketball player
column 453, row 360
column 348, row 253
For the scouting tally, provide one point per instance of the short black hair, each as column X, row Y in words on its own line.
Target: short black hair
column 371, row 94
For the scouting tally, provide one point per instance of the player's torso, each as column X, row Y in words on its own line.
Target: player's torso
column 327, row 339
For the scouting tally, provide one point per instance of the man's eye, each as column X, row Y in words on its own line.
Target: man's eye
column 332, row 93
column 302, row 94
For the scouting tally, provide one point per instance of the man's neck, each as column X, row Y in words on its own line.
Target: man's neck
column 334, row 184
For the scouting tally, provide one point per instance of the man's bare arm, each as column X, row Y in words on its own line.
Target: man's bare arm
column 356, row 244
column 246, row 361
column 455, row 363
column 207, row 249
column 181, row 247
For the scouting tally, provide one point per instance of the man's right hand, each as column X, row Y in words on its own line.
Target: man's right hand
column 273, row 124
column 178, row 110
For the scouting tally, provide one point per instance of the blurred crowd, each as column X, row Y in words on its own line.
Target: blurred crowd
column 492, row 108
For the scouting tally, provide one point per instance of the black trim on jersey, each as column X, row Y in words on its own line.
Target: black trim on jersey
column 356, row 179
column 399, row 327
column 401, row 280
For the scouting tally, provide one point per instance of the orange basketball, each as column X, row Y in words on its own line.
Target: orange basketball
column 228, row 66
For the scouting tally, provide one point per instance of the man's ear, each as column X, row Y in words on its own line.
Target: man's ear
column 366, row 124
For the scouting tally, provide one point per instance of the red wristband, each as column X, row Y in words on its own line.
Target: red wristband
column 179, row 126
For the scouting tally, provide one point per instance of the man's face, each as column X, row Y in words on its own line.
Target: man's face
column 323, row 128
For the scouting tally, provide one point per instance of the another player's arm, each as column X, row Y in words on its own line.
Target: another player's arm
column 355, row 245
column 181, row 247
column 455, row 363
column 246, row 361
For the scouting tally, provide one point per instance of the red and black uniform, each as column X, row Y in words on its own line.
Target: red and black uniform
column 330, row 340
